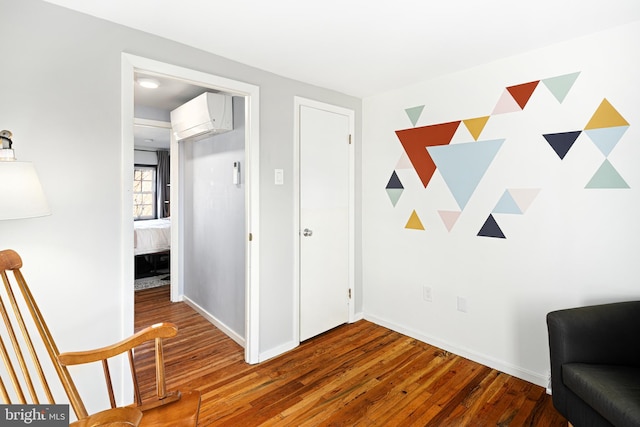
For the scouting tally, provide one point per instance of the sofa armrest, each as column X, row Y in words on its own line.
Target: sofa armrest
column 602, row 334
column 599, row 334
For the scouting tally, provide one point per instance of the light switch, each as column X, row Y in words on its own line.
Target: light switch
column 279, row 176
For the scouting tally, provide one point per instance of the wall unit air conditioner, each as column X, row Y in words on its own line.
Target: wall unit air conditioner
column 205, row 115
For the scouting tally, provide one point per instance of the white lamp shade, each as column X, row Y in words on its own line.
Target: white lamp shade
column 21, row 194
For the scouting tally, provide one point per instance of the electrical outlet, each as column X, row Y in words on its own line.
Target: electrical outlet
column 462, row 304
column 426, row 293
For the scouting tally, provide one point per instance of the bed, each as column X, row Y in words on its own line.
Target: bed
column 152, row 236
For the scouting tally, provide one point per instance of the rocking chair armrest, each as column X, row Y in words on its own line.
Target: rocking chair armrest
column 124, row 416
column 159, row 330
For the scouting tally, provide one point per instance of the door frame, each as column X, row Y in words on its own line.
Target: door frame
column 298, row 103
column 129, row 65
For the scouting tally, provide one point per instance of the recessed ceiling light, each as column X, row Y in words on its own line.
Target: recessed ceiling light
column 148, row 83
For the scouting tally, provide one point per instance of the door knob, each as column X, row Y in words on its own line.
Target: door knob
column 306, row 232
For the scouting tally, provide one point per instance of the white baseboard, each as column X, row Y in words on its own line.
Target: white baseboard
column 530, row 376
column 281, row 349
column 216, row 322
column 277, row 351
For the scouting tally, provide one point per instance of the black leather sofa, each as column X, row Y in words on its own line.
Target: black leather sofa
column 595, row 364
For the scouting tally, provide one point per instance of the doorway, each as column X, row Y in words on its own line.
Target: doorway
column 250, row 93
column 325, row 214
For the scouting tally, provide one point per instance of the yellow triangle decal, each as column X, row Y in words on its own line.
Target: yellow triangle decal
column 476, row 126
column 414, row 222
column 606, row 117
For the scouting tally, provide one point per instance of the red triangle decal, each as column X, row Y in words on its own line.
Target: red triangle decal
column 522, row 93
column 416, row 140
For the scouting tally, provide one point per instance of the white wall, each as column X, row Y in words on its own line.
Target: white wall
column 61, row 91
column 573, row 246
column 214, row 224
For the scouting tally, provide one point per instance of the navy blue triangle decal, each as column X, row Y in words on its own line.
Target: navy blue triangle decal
column 491, row 229
column 562, row 142
column 394, row 182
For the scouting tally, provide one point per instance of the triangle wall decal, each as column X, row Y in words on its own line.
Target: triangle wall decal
column 506, row 104
column 606, row 138
column 560, row 86
column 476, row 126
column 414, row 222
column 607, row 177
column 522, row 93
column 462, row 166
column 562, row 142
column 394, row 181
column 414, row 113
column 507, row 205
column 491, row 229
column 415, row 140
column 394, row 195
column 606, row 117
column 404, row 162
column 524, row 197
column 449, row 218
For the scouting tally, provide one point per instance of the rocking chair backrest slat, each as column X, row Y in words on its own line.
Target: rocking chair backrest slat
column 10, row 371
column 19, row 351
column 161, row 388
column 8, row 363
column 107, row 377
column 15, row 321
column 24, row 334
column 4, row 394
column 134, row 379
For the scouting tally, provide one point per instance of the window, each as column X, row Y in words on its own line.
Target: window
column 144, row 192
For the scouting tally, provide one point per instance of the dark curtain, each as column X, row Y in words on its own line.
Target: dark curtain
column 162, row 184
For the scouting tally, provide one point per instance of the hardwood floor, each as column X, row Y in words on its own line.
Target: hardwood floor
column 359, row 374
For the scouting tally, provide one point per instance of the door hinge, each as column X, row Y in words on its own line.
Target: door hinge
column 250, row 237
column 349, row 293
column 349, row 139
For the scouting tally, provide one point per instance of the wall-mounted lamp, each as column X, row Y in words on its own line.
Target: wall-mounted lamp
column 21, row 194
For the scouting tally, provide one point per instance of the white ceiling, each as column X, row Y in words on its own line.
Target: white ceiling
column 364, row 47
column 159, row 102
column 170, row 94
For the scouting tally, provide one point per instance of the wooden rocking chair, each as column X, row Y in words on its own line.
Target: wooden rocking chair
column 168, row 409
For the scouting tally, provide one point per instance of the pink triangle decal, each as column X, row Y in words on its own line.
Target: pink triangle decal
column 524, row 197
column 404, row 162
column 506, row 104
column 449, row 218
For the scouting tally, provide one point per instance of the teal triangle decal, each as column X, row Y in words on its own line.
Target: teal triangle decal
column 414, row 113
column 607, row 177
column 561, row 85
column 462, row 166
column 394, row 195
column 606, row 138
column 507, row 205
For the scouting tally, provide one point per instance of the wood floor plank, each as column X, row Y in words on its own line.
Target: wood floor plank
column 359, row 374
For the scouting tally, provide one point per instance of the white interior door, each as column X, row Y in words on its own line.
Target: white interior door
column 324, row 220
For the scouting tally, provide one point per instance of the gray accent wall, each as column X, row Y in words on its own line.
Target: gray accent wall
column 60, row 82
column 214, row 223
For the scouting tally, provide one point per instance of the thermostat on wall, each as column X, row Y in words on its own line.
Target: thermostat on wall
column 236, row 173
